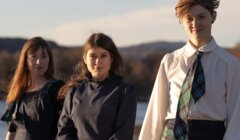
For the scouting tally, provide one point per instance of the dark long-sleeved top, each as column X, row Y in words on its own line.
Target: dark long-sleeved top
column 37, row 113
column 98, row 111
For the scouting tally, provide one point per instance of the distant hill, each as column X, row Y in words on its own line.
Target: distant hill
column 15, row 44
column 237, row 46
column 11, row 44
column 141, row 49
column 136, row 51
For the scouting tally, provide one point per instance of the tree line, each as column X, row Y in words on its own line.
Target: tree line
column 138, row 71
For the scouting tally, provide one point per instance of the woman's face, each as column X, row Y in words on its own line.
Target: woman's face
column 198, row 23
column 98, row 62
column 38, row 62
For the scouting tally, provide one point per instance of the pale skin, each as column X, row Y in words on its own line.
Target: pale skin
column 98, row 62
column 198, row 24
column 37, row 66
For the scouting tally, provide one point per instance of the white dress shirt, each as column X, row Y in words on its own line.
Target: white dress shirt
column 220, row 102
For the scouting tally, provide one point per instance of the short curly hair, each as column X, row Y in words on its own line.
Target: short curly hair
column 183, row 6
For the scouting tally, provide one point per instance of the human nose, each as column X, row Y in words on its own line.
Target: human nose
column 97, row 60
column 38, row 61
column 195, row 22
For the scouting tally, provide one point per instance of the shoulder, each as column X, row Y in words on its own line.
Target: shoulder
column 120, row 82
column 172, row 58
column 226, row 56
column 76, row 87
column 55, row 85
column 177, row 53
column 57, row 82
column 126, row 88
column 127, row 93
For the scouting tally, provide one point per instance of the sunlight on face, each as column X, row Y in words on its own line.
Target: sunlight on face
column 98, row 62
column 198, row 23
column 38, row 62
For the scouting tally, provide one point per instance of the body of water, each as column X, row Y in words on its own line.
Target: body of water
column 141, row 110
column 3, row 125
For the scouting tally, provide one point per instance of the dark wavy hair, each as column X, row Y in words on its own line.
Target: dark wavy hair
column 183, row 6
column 95, row 40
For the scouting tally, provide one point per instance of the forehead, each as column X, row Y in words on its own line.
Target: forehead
column 97, row 50
column 197, row 10
column 37, row 50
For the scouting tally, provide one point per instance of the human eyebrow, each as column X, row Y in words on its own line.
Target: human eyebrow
column 104, row 52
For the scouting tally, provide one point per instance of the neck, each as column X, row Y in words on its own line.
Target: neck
column 35, row 83
column 197, row 43
column 99, row 79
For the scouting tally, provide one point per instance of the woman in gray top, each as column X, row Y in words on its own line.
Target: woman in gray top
column 98, row 104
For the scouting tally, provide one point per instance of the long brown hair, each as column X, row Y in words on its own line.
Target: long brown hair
column 183, row 6
column 95, row 40
column 20, row 79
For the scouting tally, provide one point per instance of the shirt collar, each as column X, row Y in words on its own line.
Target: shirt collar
column 190, row 50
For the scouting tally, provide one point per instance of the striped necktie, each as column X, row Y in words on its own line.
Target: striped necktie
column 193, row 85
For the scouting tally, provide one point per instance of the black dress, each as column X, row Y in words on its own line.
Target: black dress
column 98, row 111
column 37, row 113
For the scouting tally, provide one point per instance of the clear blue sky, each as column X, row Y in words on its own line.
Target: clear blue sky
column 128, row 22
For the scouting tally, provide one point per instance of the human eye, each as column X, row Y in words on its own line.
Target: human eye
column 104, row 55
column 92, row 56
column 189, row 19
column 201, row 16
column 31, row 57
column 44, row 56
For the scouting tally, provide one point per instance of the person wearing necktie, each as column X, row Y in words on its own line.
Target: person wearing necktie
column 196, row 92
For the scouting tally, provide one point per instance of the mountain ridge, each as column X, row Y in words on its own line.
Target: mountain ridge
column 15, row 44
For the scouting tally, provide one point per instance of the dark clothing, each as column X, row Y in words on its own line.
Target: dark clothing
column 98, row 111
column 206, row 130
column 37, row 113
column 198, row 130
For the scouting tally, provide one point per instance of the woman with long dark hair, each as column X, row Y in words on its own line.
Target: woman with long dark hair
column 34, row 91
column 99, row 105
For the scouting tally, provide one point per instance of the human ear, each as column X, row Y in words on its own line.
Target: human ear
column 214, row 16
column 84, row 59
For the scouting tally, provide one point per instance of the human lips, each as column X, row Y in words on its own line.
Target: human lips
column 38, row 67
column 97, row 68
column 196, row 29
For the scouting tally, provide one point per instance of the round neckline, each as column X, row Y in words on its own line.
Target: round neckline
column 44, row 85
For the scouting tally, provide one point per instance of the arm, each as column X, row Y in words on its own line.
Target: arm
column 153, row 123
column 233, row 102
column 66, row 129
column 57, row 104
column 10, row 135
column 126, row 116
column 11, row 131
column 53, row 92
